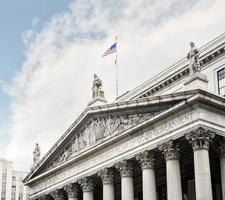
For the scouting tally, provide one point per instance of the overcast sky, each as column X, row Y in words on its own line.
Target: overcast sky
column 52, row 84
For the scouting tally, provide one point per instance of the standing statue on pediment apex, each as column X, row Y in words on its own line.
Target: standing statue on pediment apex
column 193, row 57
column 36, row 153
column 97, row 87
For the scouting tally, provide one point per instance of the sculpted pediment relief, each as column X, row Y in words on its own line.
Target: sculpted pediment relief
column 97, row 130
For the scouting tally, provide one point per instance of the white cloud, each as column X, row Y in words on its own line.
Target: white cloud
column 54, row 84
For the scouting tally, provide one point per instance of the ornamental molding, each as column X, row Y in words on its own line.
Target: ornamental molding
column 97, row 130
column 200, row 138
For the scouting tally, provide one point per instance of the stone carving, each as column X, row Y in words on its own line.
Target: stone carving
column 87, row 184
column 125, row 168
column 36, row 153
column 170, row 150
column 200, row 138
column 193, row 57
column 146, row 159
column 97, row 87
column 71, row 190
column 106, row 176
column 98, row 130
column 57, row 194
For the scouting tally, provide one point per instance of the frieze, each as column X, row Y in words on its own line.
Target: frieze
column 98, row 130
column 145, row 137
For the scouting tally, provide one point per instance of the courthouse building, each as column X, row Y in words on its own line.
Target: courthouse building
column 163, row 140
column 11, row 186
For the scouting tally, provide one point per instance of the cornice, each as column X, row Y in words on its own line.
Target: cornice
column 209, row 53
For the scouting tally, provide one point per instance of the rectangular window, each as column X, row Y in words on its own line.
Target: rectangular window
column 221, row 81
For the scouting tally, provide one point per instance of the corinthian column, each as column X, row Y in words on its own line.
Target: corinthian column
column 57, row 195
column 71, row 191
column 200, row 140
column 146, row 159
column 106, row 176
column 222, row 166
column 173, row 178
column 87, row 187
column 126, row 171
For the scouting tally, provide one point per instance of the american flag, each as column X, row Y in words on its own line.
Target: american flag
column 112, row 49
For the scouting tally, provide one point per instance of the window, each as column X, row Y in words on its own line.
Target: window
column 221, row 81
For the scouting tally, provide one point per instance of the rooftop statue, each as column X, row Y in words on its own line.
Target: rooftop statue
column 97, row 87
column 36, row 153
column 193, row 57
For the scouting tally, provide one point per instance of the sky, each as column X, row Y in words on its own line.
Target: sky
column 50, row 50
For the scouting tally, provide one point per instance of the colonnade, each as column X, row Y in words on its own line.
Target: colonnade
column 200, row 140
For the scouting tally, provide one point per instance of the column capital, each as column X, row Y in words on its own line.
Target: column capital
column 71, row 190
column 170, row 150
column 106, row 176
column 146, row 159
column 87, row 184
column 57, row 194
column 125, row 168
column 200, row 138
column 42, row 197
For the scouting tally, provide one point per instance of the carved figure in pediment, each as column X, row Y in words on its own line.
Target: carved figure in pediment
column 65, row 155
column 100, row 129
column 75, row 145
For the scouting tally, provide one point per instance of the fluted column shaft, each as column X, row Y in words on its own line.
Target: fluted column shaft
column 127, row 187
column 146, row 159
column 200, row 140
column 87, row 187
column 71, row 191
column 222, row 167
column 173, row 176
column 106, row 176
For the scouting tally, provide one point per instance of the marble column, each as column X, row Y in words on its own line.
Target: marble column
column 222, row 167
column 126, row 171
column 146, row 159
column 57, row 194
column 106, row 176
column 87, row 187
column 200, row 140
column 71, row 191
column 173, row 176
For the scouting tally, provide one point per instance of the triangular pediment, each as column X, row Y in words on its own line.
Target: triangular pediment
column 98, row 125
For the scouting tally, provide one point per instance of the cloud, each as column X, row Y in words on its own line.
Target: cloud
column 54, row 83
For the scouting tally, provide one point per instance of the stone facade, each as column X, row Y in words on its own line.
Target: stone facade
column 151, row 143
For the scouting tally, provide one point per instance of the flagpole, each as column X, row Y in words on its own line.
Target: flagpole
column 117, row 71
